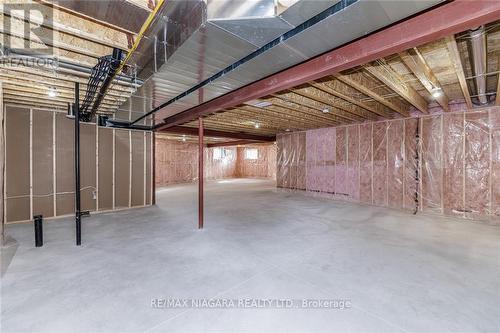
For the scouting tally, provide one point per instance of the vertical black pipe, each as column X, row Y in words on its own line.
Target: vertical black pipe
column 37, row 220
column 78, row 215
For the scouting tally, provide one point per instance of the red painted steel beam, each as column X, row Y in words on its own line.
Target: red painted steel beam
column 232, row 143
column 217, row 134
column 443, row 21
column 201, row 176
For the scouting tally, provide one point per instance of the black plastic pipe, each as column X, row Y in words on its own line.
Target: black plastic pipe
column 38, row 221
column 78, row 215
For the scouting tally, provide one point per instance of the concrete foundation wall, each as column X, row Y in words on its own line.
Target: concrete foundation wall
column 115, row 166
column 453, row 168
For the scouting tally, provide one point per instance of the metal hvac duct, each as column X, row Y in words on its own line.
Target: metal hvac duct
column 193, row 40
column 478, row 50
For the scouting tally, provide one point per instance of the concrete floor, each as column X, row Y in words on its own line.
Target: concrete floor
column 400, row 273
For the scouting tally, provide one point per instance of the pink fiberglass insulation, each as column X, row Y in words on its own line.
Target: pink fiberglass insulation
column 380, row 163
column 446, row 163
column 395, row 165
column 495, row 163
column 301, row 161
column 330, row 159
column 177, row 162
column 311, row 177
column 353, row 162
column 453, row 163
column 477, row 164
column 365, row 162
column 432, row 177
column 341, row 163
column 262, row 167
column 410, row 164
column 294, row 147
column 279, row 161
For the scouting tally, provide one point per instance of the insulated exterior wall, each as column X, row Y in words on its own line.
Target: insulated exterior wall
column 177, row 162
column 262, row 166
column 17, row 164
column 446, row 163
column 122, row 168
column 40, row 165
column 105, row 168
column 42, row 161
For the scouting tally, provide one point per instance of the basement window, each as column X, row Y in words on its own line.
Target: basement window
column 221, row 153
column 251, row 154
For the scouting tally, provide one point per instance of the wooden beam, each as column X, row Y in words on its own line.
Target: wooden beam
column 416, row 63
column 293, row 107
column 338, row 115
column 329, row 90
column 143, row 4
column 351, row 111
column 451, row 43
column 279, row 112
column 74, row 26
column 56, row 39
column 64, row 9
column 370, row 93
column 51, row 75
column 232, row 143
column 275, row 118
column 21, row 85
column 216, row 134
column 396, row 83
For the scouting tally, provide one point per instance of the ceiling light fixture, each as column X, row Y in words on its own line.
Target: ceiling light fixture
column 257, row 125
column 437, row 92
column 325, row 110
column 287, row 130
column 52, row 92
column 183, row 138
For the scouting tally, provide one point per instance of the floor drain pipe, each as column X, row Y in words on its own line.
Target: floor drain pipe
column 38, row 222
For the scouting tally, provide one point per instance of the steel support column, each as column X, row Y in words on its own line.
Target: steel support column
column 78, row 213
column 200, row 173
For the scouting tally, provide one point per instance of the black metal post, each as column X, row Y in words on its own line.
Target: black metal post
column 78, row 214
column 38, row 219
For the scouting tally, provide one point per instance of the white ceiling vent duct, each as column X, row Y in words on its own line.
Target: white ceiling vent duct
column 478, row 47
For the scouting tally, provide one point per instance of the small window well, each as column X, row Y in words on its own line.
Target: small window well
column 251, row 154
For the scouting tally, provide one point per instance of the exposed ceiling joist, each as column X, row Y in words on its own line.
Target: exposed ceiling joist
column 338, row 115
column 287, row 113
column 147, row 5
column 336, row 92
column 40, row 84
column 416, row 63
column 394, row 81
column 329, row 101
column 459, row 70
column 77, row 27
column 370, row 93
column 67, row 95
column 64, row 9
column 293, row 107
column 55, row 39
